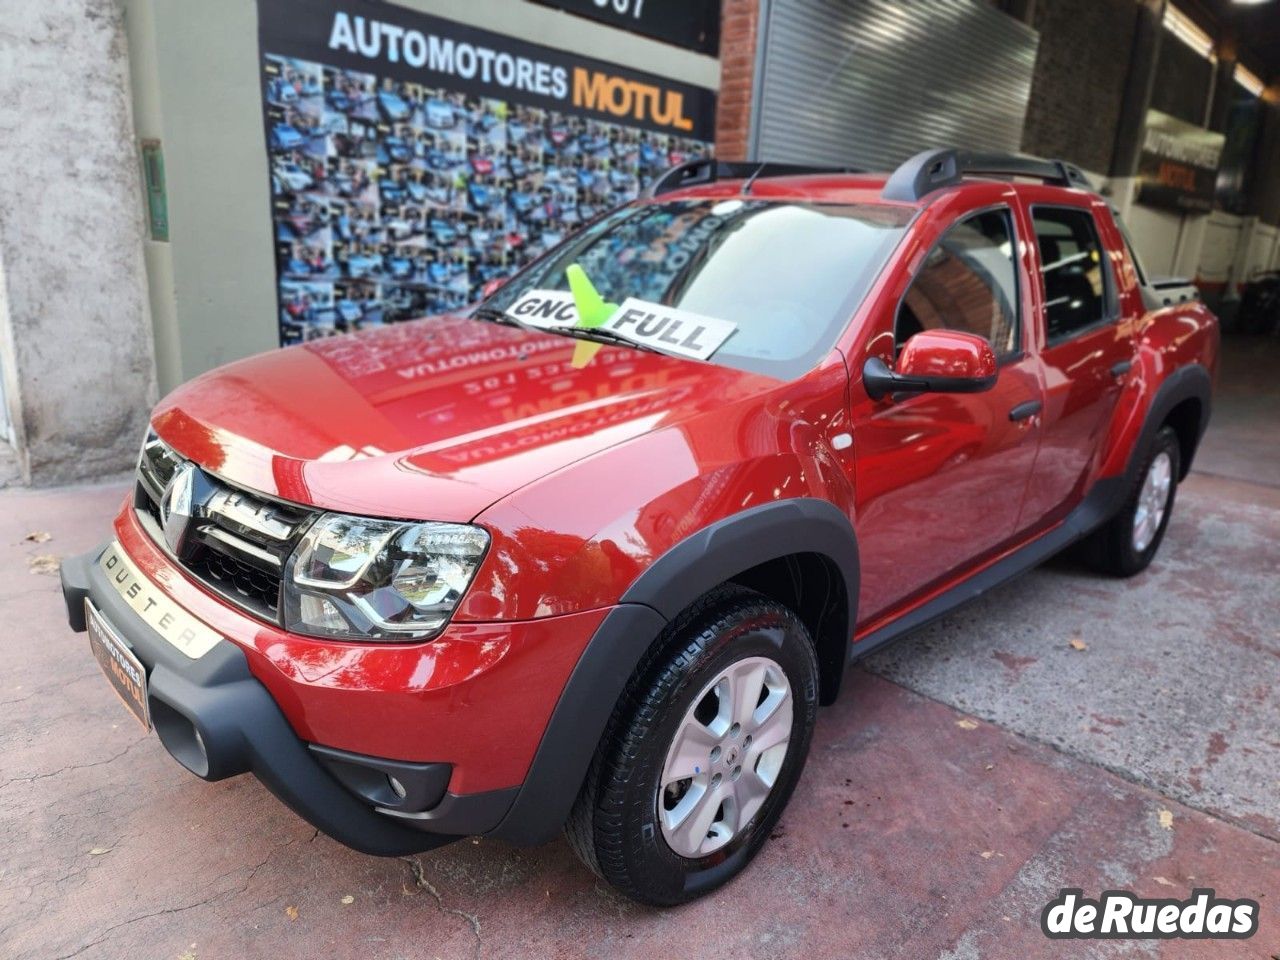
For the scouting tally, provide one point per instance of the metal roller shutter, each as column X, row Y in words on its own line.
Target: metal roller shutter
column 871, row 82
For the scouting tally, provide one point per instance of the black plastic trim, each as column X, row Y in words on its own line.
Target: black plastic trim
column 691, row 568
column 243, row 730
column 879, row 380
column 1191, row 382
column 543, row 802
column 1028, row 408
column 932, row 170
column 703, row 170
column 424, row 784
column 728, row 547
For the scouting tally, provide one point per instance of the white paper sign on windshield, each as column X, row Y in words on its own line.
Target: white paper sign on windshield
column 545, row 308
column 669, row 329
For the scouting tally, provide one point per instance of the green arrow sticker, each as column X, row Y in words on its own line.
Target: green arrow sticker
column 593, row 311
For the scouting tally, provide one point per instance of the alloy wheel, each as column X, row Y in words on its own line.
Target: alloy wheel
column 725, row 757
column 1153, row 501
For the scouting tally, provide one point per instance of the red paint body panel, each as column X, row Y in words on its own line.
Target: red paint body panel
column 432, row 419
column 583, row 477
column 478, row 696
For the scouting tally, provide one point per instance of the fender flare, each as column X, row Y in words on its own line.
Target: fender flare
column 721, row 550
column 686, row 571
column 1191, row 382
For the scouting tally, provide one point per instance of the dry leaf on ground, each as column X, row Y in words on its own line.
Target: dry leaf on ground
column 1166, row 819
column 967, row 724
column 348, row 899
column 38, row 536
column 44, row 563
column 291, row 913
column 99, row 851
column 1077, row 644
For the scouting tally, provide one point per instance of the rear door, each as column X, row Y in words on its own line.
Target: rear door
column 1086, row 353
column 940, row 477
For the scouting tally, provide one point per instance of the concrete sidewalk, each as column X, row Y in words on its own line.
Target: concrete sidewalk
column 919, row 829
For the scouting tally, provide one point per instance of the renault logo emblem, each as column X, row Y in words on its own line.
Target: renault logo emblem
column 178, row 507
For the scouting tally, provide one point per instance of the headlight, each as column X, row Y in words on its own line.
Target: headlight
column 363, row 579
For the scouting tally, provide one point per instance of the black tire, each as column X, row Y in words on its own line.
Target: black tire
column 1111, row 548
column 614, row 827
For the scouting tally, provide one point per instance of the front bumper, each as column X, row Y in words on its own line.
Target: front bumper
column 241, row 729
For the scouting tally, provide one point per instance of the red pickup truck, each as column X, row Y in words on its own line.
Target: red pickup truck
column 591, row 555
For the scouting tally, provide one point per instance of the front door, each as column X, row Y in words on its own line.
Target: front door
column 940, row 477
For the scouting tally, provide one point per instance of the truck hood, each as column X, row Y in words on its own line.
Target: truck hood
column 432, row 419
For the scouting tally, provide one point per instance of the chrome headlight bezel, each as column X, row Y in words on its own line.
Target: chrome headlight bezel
column 374, row 580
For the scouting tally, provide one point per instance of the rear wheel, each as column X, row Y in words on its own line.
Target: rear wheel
column 1129, row 541
column 702, row 752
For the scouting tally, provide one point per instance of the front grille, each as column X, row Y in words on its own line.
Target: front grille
column 239, row 541
column 234, row 579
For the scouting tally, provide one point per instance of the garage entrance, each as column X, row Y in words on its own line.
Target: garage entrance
column 837, row 79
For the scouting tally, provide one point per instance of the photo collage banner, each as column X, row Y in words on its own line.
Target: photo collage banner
column 414, row 160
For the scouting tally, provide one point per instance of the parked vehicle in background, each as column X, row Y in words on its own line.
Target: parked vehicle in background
column 1260, row 305
column 291, row 176
column 286, row 137
column 590, row 555
column 393, row 106
column 440, row 114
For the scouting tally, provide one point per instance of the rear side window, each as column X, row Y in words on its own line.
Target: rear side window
column 1076, row 291
column 969, row 282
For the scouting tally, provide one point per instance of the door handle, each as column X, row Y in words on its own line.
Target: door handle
column 1121, row 368
column 1028, row 408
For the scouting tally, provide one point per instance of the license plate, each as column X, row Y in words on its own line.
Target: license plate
column 123, row 670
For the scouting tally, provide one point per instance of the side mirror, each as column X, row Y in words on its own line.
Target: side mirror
column 934, row 361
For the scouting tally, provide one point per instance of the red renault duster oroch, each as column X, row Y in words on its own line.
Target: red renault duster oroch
column 481, row 575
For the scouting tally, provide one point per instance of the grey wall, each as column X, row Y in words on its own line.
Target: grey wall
column 75, row 338
column 197, row 90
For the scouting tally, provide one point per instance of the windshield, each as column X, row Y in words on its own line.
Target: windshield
column 788, row 275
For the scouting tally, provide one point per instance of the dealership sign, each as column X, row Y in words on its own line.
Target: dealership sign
column 1178, row 165
column 391, row 41
column 694, row 24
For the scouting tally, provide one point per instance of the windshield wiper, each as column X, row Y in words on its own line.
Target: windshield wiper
column 607, row 336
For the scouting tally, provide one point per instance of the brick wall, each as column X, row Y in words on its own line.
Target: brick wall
column 1079, row 79
column 1183, row 78
column 738, row 31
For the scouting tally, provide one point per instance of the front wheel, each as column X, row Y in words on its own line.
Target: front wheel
column 1129, row 541
column 702, row 752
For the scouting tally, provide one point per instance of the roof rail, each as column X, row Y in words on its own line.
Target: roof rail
column 934, row 169
column 702, row 170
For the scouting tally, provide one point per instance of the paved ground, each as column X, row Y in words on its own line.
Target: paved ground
column 1177, row 688
column 972, row 771
column 1244, row 442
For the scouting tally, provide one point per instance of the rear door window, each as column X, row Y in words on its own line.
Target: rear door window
column 1077, row 290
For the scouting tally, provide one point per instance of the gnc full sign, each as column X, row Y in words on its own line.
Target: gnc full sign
column 654, row 325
